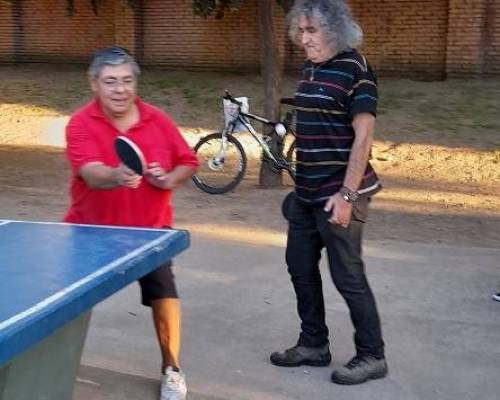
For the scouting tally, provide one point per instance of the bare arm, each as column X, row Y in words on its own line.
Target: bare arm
column 364, row 126
column 99, row 176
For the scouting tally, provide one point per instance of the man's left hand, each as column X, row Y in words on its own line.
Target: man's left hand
column 158, row 177
column 341, row 210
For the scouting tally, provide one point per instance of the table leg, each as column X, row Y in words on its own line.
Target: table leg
column 48, row 370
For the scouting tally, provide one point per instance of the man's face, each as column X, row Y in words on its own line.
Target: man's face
column 115, row 88
column 314, row 40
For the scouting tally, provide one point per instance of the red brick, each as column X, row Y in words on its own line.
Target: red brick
column 418, row 38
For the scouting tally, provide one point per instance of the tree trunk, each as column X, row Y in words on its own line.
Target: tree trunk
column 271, row 70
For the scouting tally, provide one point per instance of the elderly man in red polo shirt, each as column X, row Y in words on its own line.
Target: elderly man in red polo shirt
column 104, row 191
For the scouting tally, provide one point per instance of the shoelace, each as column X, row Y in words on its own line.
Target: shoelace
column 355, row 361
column 174, row 380
column 291, row 350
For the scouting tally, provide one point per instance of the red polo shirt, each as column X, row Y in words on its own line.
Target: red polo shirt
column 90, row 137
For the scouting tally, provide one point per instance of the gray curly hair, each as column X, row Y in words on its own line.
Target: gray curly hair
column 110, row 56
column 333, row 16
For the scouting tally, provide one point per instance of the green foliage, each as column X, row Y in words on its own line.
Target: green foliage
column 286, row 4
column 205, row 8
column 71, row 9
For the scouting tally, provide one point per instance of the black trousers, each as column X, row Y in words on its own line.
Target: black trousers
column 308, row 233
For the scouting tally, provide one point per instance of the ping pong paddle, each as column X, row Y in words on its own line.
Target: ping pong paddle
column 130, row 154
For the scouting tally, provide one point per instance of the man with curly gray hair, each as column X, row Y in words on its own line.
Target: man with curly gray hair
column 336, row 103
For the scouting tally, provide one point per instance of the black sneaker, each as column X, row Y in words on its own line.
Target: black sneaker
column 360, row 369
column 496, row 296
column 301, row 355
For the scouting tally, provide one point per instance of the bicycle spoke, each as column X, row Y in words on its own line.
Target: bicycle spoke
column 221, row 167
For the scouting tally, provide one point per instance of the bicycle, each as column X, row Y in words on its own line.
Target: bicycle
column 223, row 160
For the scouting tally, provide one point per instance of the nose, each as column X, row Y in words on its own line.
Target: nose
column 119, row 87
column 305, row 38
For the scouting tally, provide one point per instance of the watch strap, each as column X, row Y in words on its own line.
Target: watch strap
column 349, row 195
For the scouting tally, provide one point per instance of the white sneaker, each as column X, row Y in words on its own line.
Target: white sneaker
column 173, row 385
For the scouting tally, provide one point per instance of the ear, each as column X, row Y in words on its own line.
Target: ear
column 93, row 84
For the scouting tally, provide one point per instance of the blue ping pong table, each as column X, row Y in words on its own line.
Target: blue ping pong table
column 51, row 275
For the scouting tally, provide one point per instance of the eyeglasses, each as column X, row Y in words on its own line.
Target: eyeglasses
column 112, row 83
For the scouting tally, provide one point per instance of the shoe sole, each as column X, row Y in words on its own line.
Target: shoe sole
column 341, row 381
column 310, row 363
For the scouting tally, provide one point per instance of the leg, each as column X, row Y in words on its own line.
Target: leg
column 167, row 321
column 159, row 292
column 302, row 256
column 303, row 253
column 348, row 274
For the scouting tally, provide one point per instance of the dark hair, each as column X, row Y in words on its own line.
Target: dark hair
column 114, row 55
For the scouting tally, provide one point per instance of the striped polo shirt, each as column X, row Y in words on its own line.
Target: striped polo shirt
column 329, row 95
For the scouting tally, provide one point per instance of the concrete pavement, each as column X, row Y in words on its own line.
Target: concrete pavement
column 441, row 328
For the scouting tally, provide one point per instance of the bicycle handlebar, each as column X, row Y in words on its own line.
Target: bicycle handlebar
column 284, row 100
column 228, row 96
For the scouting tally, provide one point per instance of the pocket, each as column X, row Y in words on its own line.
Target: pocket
column 360, row 210
column 287, row 205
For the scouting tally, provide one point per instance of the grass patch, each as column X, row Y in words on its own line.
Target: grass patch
column 454, row 112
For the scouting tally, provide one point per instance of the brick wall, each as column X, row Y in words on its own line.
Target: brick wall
column 428, row 39
column 184, row 40
column 465, row 48
column 124, row 26
column 492, row 39
column 404, row 37
column 401, row 37
column 50, row 35
column 6, row 34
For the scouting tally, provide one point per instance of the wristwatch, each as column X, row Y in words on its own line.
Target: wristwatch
column 348, row 195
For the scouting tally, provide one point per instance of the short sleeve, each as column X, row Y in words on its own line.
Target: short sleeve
column 182, row 153
column 81, row 147
column 364, row 97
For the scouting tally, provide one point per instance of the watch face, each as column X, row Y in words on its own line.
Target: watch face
column 348, row 195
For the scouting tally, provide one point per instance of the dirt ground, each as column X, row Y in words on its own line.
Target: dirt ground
column 441, row 185
column 33, row 183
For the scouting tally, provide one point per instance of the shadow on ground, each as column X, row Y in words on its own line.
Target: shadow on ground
column 100, row 384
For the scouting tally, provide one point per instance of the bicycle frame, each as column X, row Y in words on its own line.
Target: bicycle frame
column 242, row 118
column 238, row 119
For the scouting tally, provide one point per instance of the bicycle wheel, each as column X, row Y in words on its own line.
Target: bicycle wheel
column 221, row 170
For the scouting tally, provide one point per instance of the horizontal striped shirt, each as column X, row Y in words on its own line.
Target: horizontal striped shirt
column 327, row 99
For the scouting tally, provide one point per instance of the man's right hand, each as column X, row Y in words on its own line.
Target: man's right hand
column 99, row 176
column 126, row 177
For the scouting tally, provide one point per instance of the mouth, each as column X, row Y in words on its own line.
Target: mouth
column 119, row 102
column 310, row 49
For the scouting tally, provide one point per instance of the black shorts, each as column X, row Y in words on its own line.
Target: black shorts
column 158, row 284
